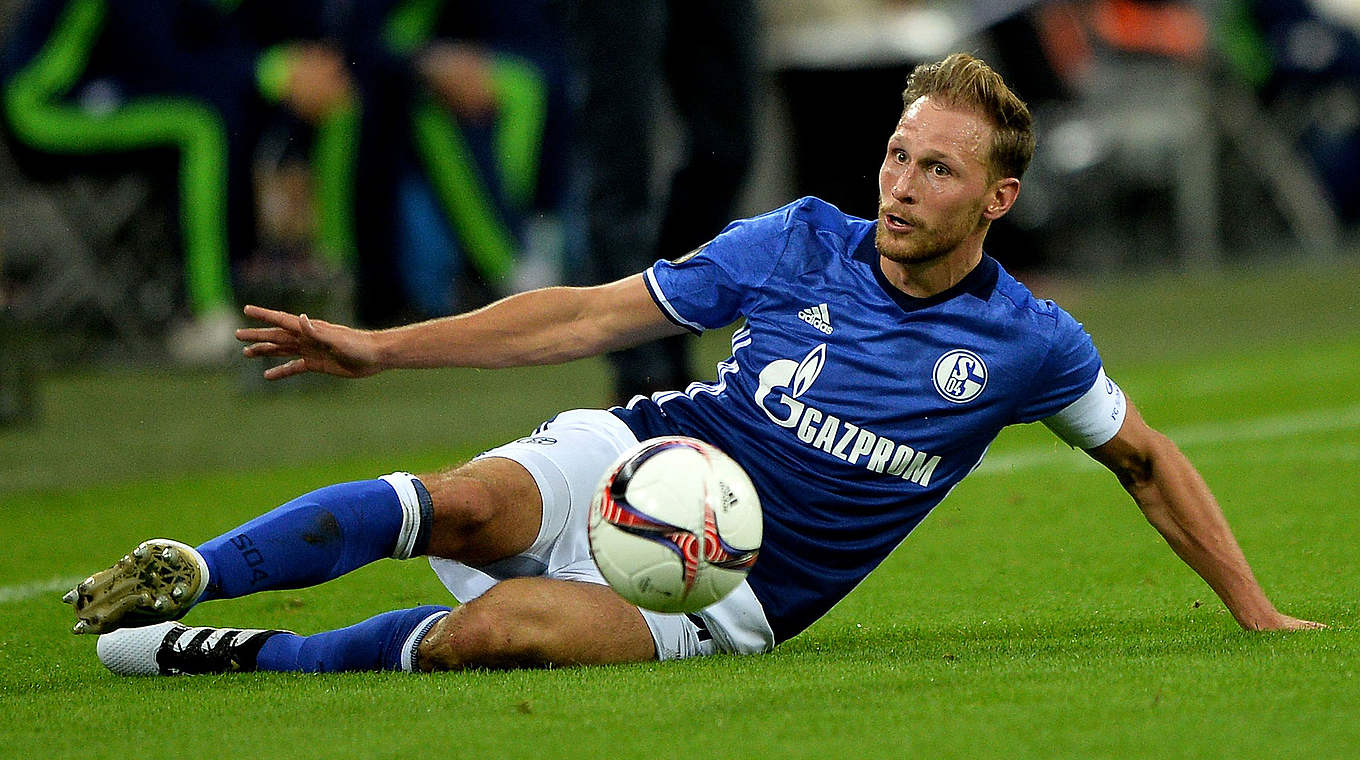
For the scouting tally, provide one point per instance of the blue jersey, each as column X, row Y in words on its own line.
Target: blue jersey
column 854, row 407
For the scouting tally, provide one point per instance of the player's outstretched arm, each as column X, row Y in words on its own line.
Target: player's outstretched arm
column 546, row 326
column 1178, row 503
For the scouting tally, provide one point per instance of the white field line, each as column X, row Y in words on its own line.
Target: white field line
column 1190, row 436
column 1235, row 431
column 33, row 589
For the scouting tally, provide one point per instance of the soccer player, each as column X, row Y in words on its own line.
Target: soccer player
column 877, row 361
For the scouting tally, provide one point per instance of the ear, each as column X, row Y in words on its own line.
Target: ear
column 1002, row 196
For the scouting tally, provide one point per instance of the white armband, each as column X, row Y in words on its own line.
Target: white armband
column 1094, row 418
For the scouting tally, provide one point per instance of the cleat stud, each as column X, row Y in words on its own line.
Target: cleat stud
column 71, row 597
column 169, row 555
column 139, row 552
column 179, row 591
column 84, row 586
column 80, row 627
column 160, row 604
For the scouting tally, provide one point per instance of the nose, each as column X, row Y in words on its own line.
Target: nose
column 902, row 183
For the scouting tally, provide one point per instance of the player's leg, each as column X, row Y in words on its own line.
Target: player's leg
column 548, row 604
column 311, row 539
column 477, row 513
column 383, row 642
column 533, row 622
column 521, row 622
column 480, row 512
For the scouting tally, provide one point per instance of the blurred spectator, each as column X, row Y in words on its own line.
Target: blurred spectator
column 394, row 139
column 1119, row 88
column 1303, row 59
column 86, row 77
column 1147, row 103
column 461, row 138
column 628, row 57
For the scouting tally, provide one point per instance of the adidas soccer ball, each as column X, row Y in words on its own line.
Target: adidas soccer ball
column 675, row 525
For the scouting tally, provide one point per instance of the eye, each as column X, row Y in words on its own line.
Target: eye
column 940, row 170
column 899, row 155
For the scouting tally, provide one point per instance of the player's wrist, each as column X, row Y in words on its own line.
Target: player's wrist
column 383, row 350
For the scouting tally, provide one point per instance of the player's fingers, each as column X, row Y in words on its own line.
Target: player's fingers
column 272, row 316
column 265, row 335
column 258, row 350
column 308, row 329
column 294, row 367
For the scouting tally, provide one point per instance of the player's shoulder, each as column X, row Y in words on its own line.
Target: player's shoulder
column 824, row 220
column 820, row 232
column 1045, row 315
column 803, row 234
column 816, row 212
column 809, row 213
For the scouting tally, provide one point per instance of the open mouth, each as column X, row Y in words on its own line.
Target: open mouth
column 897, row 223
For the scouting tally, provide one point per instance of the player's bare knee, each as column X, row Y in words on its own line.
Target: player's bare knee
column 508, row 626
column 485, row 510
column 461, row 503
column 439, row 649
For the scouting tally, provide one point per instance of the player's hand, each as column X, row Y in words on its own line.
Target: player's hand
column 314, row 345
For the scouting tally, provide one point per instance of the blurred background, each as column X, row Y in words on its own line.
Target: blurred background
column 163, row 162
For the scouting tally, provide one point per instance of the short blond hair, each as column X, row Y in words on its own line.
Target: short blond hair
column 964, row 81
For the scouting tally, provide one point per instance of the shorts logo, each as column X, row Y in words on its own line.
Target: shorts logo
column 960, row 376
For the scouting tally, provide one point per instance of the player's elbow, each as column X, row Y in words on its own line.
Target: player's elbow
column 1138, row 466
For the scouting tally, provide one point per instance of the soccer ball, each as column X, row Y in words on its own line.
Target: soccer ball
column 675, row 525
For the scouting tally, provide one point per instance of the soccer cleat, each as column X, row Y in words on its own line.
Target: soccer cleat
column 171, row 649
column 157, row 581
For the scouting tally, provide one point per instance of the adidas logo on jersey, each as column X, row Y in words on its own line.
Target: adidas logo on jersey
column 818, row 317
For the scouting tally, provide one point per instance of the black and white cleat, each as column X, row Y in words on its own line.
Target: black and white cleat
column 170, row 649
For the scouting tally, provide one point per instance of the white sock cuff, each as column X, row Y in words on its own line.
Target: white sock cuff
column 413, row 514
column 412, row 643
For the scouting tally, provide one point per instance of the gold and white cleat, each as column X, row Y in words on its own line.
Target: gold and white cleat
column 155, row 582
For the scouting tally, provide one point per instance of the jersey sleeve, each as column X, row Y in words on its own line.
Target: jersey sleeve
column 717, row 283
column 1068, row 371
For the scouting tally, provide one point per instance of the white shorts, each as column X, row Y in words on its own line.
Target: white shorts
column 567, row 456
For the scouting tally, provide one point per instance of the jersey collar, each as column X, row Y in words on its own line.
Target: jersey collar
column 979, row 282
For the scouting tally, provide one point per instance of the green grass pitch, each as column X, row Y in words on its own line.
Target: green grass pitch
column 1035, row 614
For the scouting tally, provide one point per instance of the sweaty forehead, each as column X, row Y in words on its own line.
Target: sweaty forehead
column 934, row 125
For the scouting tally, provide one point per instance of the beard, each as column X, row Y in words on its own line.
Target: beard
column 923, row 244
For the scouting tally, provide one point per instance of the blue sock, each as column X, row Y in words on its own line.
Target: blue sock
column 384, row 642
column 320, row 536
